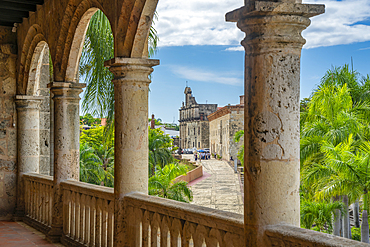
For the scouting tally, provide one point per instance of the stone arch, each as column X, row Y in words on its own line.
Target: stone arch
column 38, row 58
column 38, row 78
column 134, row 31
column 33, row 38
column 72, row 36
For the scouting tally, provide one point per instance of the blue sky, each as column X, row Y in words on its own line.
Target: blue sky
column 198, row 46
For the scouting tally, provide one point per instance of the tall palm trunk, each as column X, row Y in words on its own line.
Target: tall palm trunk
column 364, row 228
column 345, row 217
column 356, row 213
column 337, row 217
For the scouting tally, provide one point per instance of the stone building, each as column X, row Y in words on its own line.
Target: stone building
column 223, row 124
column 193, row 121
column 80, row 214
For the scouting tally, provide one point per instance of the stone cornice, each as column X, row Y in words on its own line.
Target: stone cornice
column 223, row 111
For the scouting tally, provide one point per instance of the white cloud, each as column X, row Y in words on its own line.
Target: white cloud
column 235, row 48
column 193, row 74
column 202, row 22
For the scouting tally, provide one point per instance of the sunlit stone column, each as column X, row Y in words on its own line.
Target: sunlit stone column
column 131, row 87
column 273, row 46
column 66, row 145
column 28, row 114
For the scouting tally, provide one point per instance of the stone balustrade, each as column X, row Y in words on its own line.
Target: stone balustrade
column 38, row 200
column 88, row 214
column 285, row 235
column 154, row 221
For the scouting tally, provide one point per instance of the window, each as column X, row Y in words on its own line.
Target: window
column 198, row 144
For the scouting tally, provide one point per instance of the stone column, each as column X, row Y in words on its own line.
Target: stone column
column 66, row 145
column 131, row 86
column 273, row 46
column 28, row 114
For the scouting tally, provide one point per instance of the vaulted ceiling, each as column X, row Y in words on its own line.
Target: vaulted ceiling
column 12, row 11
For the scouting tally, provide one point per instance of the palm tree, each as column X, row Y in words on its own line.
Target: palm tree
column 106, row 161
column 159, row 149
column 163, row 184
column 330, row 136
column 319, row 214
column 90, row 170
column 98, row 98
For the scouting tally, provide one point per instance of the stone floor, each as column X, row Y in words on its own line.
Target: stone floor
column 219, row 188
column 18, row 234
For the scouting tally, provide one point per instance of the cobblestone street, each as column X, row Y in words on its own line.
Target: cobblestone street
column 219, row 188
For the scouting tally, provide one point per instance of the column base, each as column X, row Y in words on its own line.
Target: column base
column 55, row 234
column 19, row 215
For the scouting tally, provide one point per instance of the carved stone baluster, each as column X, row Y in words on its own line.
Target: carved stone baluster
column 50, row 203
column 176, row 231
column 34, row 214
column 87, row 219
column 188, row 233
column 78, row 216
column 82, row 217
column 65, row 212
column 73, row 214
column 92, row 221
column 43, row 199
column 110, row 224
column 104, row 222
column 201, row 234
column 145, row 230
column 155, row 230
column 98, row 222
column 30, row 208
column 47, row 186
column 214, row 238
column 38, row 199
column 165, row 232
column 26, row 196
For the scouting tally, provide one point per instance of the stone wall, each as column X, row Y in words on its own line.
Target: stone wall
column 223, row 125
column 43, row 91
column 8, row 134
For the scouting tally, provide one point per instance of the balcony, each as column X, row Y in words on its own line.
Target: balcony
column 88, row 220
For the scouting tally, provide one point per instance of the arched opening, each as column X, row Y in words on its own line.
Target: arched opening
column 40, row 75
column 86, row 65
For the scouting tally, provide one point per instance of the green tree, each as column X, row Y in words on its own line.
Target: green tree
column 160, row 146
column 319, row 214
column 237, row 137
column 98, row 98
column 90, row 169
column 163, row 183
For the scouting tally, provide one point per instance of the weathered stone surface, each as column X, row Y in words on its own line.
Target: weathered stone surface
column 28, row 137
column 8, row 49
column 7, row 165
column 272, row 70
column 131, row 87
column 8, row 137
column 66, row 149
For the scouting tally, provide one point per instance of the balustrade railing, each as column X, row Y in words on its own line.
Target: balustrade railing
column 38, row 200
column 153, row 221
column 88, row 214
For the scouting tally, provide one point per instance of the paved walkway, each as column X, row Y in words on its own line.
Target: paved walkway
column 18, row 234
column 219, row 188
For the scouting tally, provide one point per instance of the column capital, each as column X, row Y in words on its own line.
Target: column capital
column 273, row 25
column 66, row 90
column 28, row 102
column 131, row 69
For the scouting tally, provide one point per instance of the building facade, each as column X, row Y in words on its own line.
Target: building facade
column 194, row 125
column 223, row 124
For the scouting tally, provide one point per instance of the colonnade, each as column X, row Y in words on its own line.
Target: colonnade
column 272, row 45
